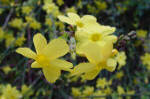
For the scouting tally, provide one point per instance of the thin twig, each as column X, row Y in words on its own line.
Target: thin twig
column 7, row 18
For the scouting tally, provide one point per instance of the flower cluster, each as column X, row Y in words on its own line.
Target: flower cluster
column 94, row 41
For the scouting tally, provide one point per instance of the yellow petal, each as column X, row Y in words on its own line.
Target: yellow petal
column 51, row 73
column 39, row 42
column 56, row 48
column 35, row 65
column 91, row 75
column 65, row 19
column 74, row 17
column 89, row 19
column 82, row 68
column 26, row 52
column 111, row 64
column 111, row 38
column 92, row 52
column 62, row 64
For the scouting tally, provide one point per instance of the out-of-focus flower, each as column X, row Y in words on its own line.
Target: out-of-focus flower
column 26, row 90
column 16, row 23
column 20, row 41
column 26, row 9
column 88, row 91
column 72, row 9
column 10, row 92
column 121, row 59
column 141, row 33
column 146, row 60
column 76, row 92
column 6, row 69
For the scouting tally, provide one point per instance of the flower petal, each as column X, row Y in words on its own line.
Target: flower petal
column 56, row 48
column 51, row 73
column 39, row 42
column 111, row 64
column 74, row 17
column 91, row 75
column 26, row 52
column 65, row 19
column 92, row 52
column 35, row 65
column 82, row 68
column 62, row 64
column 89, row 19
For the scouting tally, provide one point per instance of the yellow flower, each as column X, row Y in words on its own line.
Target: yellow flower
column 146, row 60
column 72, row 9
column 20, row 41
column 98, row 34
column 27, row 91
column 35, row 25
column 1, row 34
column 121, row 59
column 76, row 92
column 99, row 93
column 60, row 2
column 101, row 83
column 16, row 23
column 96, row 62
column 75, row 20
column 120, row 90
column 10, row 92
column 108, row 91
column 141, row 33
column 51, row 8
column 9, row 40
column 6, row 69
column 101, row 5
column 46, row 56
column 120, row 74
column 48, row 22
column 88, row 91
column 26, row 9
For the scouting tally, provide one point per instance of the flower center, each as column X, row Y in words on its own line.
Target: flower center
column 79, row 24
column 95, row 37
column 42, row 59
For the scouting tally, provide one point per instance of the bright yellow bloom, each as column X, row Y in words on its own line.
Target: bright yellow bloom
column 141, row 33
column 98, row 34
column 75, row 20
column 146, row 60
column 121, row 59
column 10, row 92
column 46, row 56
column 96, row 63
